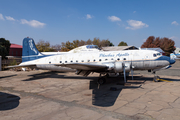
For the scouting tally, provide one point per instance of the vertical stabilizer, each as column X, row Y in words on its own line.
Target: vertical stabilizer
column 30, row 52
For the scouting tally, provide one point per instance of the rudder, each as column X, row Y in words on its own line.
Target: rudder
column 30, row 52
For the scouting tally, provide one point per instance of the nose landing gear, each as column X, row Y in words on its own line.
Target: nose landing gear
column 156, row 78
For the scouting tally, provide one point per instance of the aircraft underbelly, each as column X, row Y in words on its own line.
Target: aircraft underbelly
column 146, row 65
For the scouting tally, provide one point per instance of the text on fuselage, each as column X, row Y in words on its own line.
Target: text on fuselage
column 113, row 55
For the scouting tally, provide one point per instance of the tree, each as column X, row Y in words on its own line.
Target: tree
column 56, row 47
column 166, row 44
column 105, row 43
column 89, row 42
column 4, row 47
column 122, row 43
column 76, row 43
column 43, row 46
column 96, row 41
column 82, row 42
column 66, row 46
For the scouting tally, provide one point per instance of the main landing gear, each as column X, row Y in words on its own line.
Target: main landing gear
column 102, row 79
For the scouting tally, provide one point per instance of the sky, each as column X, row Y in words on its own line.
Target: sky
column 56, row 21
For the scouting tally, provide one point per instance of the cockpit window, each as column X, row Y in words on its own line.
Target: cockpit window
column 92, row 46
column 158, row 54
column 154, row 55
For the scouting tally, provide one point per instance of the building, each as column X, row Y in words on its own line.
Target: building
column 15, row 50
column 116, row 48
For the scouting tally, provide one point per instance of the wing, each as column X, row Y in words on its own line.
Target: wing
column 27, row 65
column 84, row 66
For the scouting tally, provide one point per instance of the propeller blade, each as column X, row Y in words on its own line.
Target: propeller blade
column 124, row 74
column 132, row 69
column 132, row 73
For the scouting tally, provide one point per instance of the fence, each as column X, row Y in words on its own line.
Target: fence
column 10, row 61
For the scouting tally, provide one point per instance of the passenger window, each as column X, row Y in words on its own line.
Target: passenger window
column 94, row 60
column 154, row 55
column 82, row 60
column 76, row 60
column 71, row 61
column 88, row 60
column 118, row 59
column 124, row 58
column 65, row 61
column 111, row 58
column 49, row 62
column 60, row 61
column 106, row 59
column 99, row 59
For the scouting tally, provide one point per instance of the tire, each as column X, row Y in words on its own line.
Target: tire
column 156, row 79
column 101, row 80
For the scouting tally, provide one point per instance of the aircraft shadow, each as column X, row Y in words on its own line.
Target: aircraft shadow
column 51, row 74
column 8, row 101
column 7, row 76
column 102, row 95
column 106, row 95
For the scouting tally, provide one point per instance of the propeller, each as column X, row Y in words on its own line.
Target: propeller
column 124, row 71
column 132, row 73
column 132, row 70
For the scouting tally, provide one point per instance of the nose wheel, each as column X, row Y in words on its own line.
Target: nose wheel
column 156, row 78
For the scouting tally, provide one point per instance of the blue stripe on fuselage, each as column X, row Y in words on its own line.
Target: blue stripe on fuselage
column 171, row 61
column 34, row 57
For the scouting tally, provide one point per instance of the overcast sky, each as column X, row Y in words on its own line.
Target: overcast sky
column 56, row 21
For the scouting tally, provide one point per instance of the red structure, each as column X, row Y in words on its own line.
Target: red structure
column 15, row 50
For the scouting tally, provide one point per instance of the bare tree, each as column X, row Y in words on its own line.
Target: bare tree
column 166, row 44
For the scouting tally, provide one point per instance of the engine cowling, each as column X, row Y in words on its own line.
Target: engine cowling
column 118, row 67
column 127, row 67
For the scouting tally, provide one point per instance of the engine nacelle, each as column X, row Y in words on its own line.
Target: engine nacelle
column 118, row 67
column 128, row 67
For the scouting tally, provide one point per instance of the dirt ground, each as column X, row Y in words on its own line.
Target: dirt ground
column 44, row 95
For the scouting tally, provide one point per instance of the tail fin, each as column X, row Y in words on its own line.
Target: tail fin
column 30, row 52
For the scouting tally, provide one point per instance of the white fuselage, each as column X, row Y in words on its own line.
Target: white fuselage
column 140, row 59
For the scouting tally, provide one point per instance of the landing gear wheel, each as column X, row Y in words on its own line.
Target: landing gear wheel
column 107, row 75
column 156, row 79
column 101, row 80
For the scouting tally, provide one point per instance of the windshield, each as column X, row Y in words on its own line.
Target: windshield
column 92, row 47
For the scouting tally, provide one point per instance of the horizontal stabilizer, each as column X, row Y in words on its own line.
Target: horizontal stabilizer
column 16, row 66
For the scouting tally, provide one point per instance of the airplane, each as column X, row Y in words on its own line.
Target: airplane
column 92, row 59
column 175, row 55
